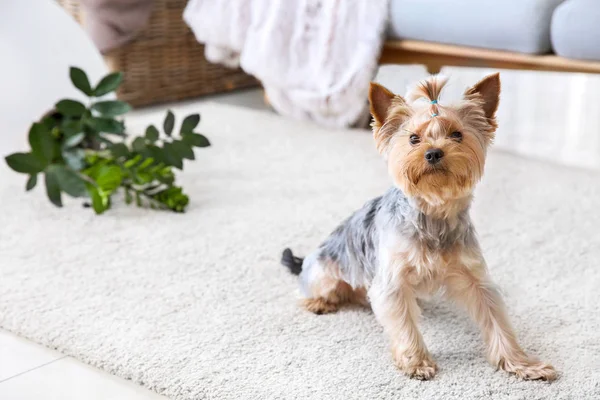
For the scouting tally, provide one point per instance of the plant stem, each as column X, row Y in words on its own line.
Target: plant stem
column 147, row 196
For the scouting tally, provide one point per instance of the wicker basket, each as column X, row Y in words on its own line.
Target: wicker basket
column 165, row 62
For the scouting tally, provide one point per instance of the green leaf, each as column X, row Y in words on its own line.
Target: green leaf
column 49, row 121
column 105, row 140
column 169, row 123
column 74, row 140
column 91, row 157
column 147, row 162
column 156, row 153
column 138, row 199
column 108, row 84
column 157, row 167
column 70, row 108
column 42, row 144
column 99, row 199
column 25, row 163
column 171, row 156
column 71, row 127
column 107, row 125
column 53, row 187
column 80, row 80
column 143, row 178
column 173, row 198
column 69, row 181
column 109, row 178
column 133, row 161
column 119, row 150
column 139, row 144
column 74, row 158
column 183, row 149
column 195, row 139
column 111, row 108
column 190, row 123
column 167, row 179
column 152, row 133
column 31, row 182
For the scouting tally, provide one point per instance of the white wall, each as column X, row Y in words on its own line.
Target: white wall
column 38, row 43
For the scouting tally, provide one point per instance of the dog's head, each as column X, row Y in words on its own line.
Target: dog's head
column 435, row 152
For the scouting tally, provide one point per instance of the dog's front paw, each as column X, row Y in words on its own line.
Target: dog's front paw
column 425, row 370
column 530, row 370
column 535, row 371
column 419, row 366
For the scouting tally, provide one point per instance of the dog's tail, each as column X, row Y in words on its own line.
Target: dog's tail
column 292, row 262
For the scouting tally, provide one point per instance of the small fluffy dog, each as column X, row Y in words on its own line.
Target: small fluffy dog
column 418, row 238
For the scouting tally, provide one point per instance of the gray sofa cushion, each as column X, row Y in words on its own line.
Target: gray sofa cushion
column 575, row 30
column 515, row 25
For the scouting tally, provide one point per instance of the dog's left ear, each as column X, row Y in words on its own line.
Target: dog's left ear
column 489, row 90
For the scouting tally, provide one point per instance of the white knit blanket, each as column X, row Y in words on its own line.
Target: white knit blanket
column 315, row 58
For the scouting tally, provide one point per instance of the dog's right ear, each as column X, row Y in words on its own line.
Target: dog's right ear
column 380, row 100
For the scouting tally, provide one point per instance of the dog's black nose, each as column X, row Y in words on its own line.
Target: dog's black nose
column 433, row 156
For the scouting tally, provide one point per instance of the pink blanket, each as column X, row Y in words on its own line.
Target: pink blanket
column 315, row 58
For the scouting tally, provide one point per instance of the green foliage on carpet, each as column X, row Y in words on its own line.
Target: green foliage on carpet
column 83, row 150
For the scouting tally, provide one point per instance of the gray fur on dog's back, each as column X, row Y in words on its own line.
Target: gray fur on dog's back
column 354, row 244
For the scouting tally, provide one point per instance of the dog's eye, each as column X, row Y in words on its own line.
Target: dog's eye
column 456, row 136
column 414, row 139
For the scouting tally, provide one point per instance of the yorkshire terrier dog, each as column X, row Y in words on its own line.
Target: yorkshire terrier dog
column 418, row 238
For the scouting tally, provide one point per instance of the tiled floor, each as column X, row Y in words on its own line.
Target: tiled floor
column 31, row 372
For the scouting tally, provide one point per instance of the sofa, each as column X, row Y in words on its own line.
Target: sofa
column 561, row 35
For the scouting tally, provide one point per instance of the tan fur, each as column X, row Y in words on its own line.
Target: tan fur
column 380, row 100
column 320, row 305
column 461, row 274
column 437, row 188
column 329, row 292
column 398, row 313
column 389, row 112
column 430, row 89
column 442, row 192
column 473, row 289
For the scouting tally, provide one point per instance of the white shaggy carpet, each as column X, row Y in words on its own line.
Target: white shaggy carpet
column 196, row 306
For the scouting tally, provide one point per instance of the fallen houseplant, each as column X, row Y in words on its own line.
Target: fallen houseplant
column 81, row 150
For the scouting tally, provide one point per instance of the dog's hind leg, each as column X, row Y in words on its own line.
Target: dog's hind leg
column 323, row 288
